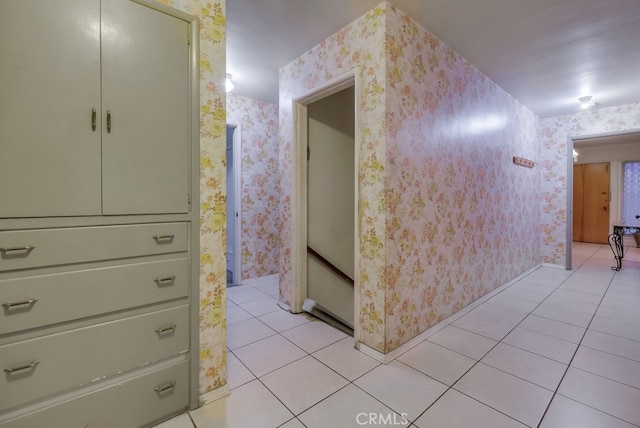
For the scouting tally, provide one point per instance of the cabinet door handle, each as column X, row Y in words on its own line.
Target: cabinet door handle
column 165, row 330
column 8, row 251
column 167, row 280
column 163, row 238
column 27, row 366
column 162, row 388
column 109, row 121
column 18, row 305
column 93, row 119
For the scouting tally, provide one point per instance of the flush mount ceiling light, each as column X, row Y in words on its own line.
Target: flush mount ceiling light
column 575, row 155
column 229, row 84
column 586, row 101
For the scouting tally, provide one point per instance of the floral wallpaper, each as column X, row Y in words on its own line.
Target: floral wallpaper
column 444, row 214
column 358, row 46
column 555, row 134
column 461, row 217
column 212, row 188
column 260, row 232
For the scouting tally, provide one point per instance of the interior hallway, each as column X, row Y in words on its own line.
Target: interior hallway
column 556, row 349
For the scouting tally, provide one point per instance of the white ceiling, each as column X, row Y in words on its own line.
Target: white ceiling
column 546, row 53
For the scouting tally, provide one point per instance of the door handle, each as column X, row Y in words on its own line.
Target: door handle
column 166, row 330
column 29, row 365
column 167, row 280
column 164, row 388
column 93, row 119
column 164, row 238
column 17, row 251
column 19, row 305
column 109, row 121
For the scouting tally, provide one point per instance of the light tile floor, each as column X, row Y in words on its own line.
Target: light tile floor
column 556, row 349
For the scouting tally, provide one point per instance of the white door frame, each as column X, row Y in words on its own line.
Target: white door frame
column 570, row 140
column 299, row 194
column 569, row 232
column 237, row 190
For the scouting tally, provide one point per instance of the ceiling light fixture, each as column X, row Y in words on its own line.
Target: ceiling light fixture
column 229, row 84
column 585, row 102
column 575, row 155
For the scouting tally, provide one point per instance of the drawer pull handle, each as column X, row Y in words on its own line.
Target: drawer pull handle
column 163, row 238
column 27, row 366
column 168, row 329
column 163, row 388
column 18, row 305
column 167, row 280
column 10, row 251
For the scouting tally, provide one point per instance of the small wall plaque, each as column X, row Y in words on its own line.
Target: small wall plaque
column 523, row 162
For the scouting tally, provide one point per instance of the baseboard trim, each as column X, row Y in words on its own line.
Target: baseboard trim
column 216, row 394
column 554, row 266
column 367, row 350
column 390, row 356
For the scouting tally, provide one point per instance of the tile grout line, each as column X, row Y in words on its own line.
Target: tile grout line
column 349, row 382
column 386, row 405
column 193, row 423
column 493, row 347
column 578, row 347
column 308, row 354
column 352, row 382
column 501, row 341
column 258, row 378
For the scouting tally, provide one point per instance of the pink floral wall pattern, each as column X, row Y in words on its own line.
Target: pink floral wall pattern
column 555, row 134
column 461, row 218
column 260, row 233
column 358, row 46
column 444, row 215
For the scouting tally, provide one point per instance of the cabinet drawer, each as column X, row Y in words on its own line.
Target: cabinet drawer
column 37, row 301
column 36, row 368
column 132, row 403
column 23, row 249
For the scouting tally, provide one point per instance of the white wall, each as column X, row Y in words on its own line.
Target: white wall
column 608, row 153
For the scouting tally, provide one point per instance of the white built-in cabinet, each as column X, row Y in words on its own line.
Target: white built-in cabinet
column 94, row 118
column 98, row 234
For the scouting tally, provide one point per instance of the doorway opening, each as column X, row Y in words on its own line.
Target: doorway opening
column 234, row 204
column 325, row 267
column 603, row 154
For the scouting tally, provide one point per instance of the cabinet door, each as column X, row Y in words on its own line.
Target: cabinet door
column 49, row 84
column 145, row 90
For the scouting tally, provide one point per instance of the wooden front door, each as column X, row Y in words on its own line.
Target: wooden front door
column 591, row 202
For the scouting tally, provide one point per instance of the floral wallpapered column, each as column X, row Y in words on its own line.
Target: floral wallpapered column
column 260, row 233
column 360, row 46
column 555, row 134
column 444, row 215
column 462, row 219
column 212, row 188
